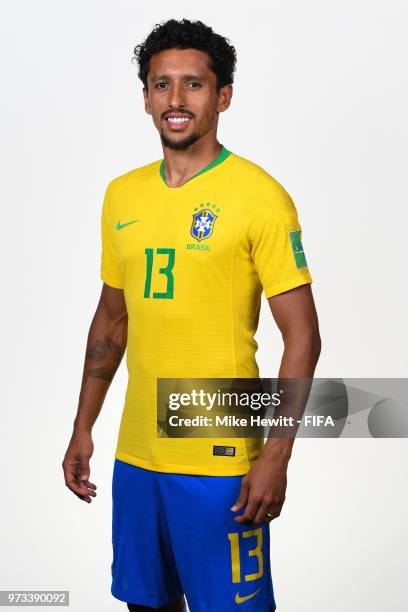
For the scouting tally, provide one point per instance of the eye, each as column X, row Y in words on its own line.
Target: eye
column 158, row 85
column 195, row 84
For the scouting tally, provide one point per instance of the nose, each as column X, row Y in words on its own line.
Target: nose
column 176, row 96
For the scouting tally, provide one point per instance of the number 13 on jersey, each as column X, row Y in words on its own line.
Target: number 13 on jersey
column 154, row 259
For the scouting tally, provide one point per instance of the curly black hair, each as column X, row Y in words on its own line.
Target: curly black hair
column 185, row 34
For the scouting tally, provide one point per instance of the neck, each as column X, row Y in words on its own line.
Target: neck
column 179, row 166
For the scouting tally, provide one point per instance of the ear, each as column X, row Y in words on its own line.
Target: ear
column 146, row 100
column 224, row 98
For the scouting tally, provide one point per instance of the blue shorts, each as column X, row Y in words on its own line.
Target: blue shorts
column 175, row 534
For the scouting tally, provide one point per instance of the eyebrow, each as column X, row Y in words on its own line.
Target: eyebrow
column 186, row 77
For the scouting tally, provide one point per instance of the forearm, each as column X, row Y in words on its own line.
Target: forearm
column 299, row 361
column 106, row 345
column 300, row 356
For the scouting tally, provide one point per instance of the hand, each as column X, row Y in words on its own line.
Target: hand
column 262, row 491
column 76, row 466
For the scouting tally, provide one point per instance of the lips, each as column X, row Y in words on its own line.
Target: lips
column 177, row 121
column 177, row 116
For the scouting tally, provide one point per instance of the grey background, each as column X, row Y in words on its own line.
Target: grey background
column 320, row 102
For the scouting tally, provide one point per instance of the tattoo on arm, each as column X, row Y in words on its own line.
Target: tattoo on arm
column 108, row 356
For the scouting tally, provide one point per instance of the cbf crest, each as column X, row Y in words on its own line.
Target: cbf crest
column 203, row 222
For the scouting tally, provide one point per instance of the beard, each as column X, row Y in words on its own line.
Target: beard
column 179, row 145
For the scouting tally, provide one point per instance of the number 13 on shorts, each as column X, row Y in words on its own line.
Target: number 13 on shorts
column 236, row 555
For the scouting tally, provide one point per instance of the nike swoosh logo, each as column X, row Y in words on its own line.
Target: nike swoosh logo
column 120, row 225
column 240, row 600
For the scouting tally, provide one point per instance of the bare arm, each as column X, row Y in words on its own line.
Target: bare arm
column 295, row 314
column 106, row 345
column 263, row 488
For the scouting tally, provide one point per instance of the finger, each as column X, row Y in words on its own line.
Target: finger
column 249, row 514
column 273, row 510
column 85, row 470
column 89, row 484
column 71, row 471
column 91, row 487
column 80, row 489
column 242, row 497
column 266, row 513
column 81, row 471
column 84, row 498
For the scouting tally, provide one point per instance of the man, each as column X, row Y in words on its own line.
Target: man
column 188, row 244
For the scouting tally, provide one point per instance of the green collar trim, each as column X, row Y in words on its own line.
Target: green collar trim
column 222, row 155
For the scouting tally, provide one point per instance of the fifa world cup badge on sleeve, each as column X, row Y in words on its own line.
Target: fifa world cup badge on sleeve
column 297, row 249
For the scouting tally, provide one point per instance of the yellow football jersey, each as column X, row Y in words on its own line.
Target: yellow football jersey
column 192, row 262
